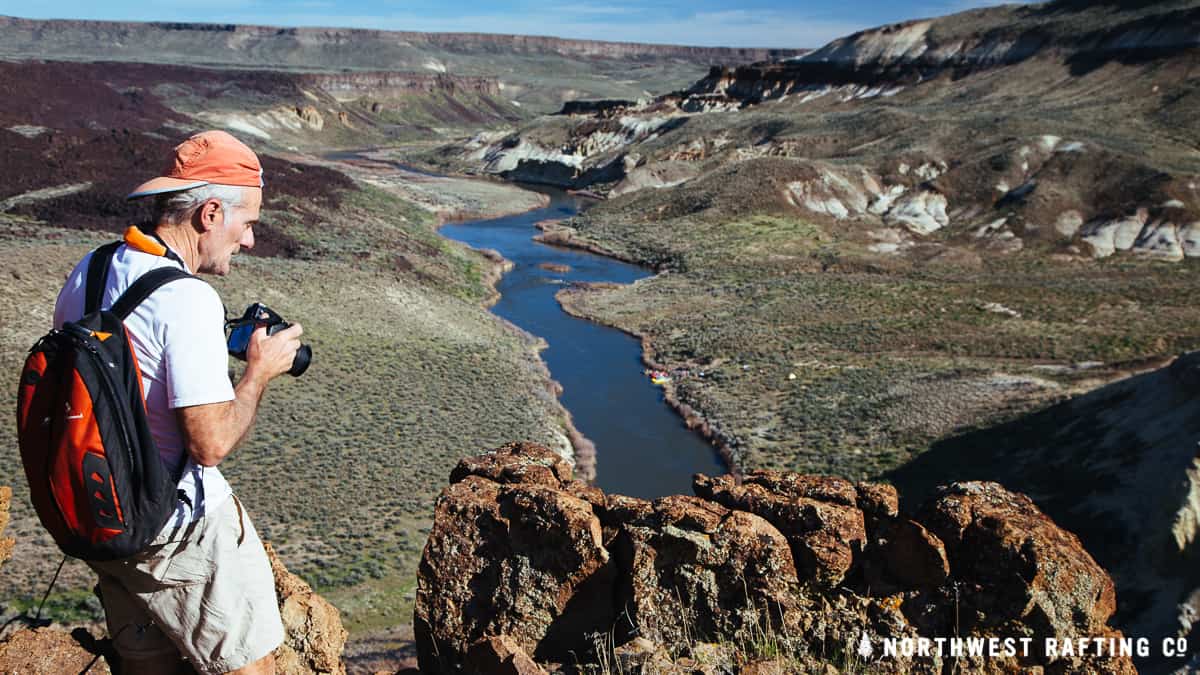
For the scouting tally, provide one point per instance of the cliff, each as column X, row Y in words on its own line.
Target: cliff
column 528, row 68
column 249, row 44
column 1119, row 467
column 523, row 562
column 1083, row 36
column 388, row 84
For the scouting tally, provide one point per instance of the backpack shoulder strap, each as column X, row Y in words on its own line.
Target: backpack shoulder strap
column 143, row 287
column 97, row 276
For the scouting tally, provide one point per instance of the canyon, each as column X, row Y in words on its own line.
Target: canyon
column 928, row 287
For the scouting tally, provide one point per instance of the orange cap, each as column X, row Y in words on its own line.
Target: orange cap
column 209, row 157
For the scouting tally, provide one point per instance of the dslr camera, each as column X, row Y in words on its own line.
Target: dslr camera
column 256, row 315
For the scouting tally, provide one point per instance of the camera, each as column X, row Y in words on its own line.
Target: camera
column 238, row 332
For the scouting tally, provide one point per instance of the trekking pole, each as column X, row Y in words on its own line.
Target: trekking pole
column 38, row 618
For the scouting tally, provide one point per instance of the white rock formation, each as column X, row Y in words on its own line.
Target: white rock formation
column 923, row 213
column 1068, row 223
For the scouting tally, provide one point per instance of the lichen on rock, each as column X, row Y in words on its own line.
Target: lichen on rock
column 563, row 573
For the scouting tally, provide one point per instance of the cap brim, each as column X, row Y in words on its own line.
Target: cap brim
column 162, row 185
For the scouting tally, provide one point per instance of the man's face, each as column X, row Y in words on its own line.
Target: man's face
column 232, row 231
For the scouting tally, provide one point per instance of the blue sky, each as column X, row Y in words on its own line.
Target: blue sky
column 749, row 23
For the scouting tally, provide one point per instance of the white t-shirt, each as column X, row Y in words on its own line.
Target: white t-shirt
column 178, row 336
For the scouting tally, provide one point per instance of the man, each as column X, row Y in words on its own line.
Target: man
column 203, row 591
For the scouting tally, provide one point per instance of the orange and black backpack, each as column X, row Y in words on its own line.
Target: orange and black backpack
column 95, row 476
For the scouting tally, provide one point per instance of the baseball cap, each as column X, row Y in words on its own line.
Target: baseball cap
column 209, row 157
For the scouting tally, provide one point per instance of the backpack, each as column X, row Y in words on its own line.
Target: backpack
column 95, row 476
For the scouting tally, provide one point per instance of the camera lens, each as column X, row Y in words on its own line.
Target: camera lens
column 300, row 363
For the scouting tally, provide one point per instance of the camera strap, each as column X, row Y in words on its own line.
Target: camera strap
column 150, row 243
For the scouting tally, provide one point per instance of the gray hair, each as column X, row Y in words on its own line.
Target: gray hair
column 176, row 207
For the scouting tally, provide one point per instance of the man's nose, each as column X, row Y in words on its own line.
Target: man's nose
column 247, row 239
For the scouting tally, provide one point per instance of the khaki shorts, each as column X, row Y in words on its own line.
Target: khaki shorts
column 204, row 591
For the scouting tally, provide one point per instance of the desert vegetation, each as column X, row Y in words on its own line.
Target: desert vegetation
column 342, row 469
column 806, row 352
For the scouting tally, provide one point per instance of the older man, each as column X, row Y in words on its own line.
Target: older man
column 203, row 591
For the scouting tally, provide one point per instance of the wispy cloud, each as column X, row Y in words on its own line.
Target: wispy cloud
column 613, row 10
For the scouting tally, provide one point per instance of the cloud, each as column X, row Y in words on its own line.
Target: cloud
column 616, row 10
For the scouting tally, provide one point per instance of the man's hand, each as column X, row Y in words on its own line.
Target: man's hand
column 269, row 356
column 212, row 431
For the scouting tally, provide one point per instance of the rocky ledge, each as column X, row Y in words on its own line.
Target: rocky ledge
column 526, row 569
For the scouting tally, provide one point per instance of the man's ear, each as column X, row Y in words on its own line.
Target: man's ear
column 208, row 215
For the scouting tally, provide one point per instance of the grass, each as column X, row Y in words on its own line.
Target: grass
column 818, row 356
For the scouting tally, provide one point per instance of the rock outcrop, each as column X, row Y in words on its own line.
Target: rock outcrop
column 523, row 562
column 51, row 650
column 313, row 632
column 6, row 543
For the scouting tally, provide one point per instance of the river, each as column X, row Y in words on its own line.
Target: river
column 643, row 448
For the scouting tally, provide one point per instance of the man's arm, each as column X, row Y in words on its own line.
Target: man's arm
column 212, row 431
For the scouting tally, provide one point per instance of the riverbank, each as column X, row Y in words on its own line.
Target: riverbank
column 571, row 301
column 451, row 198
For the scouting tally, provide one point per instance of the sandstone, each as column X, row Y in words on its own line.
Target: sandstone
column 311, row 117
column 1014, row 564
column 50, row 650
column 313, row 632
column 516, row 463
column 521, row 560
column 818, row 515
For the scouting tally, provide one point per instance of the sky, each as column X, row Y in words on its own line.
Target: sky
column 748, row 23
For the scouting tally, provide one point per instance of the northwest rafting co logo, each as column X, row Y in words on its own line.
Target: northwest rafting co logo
column 1050, row 648
column 864, row 647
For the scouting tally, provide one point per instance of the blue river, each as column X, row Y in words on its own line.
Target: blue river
column 643, row 448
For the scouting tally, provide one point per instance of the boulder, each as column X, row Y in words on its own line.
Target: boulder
column 1016, row 573
column 1018, row 563
column 313, row 633
column 818, row 515
column 914, row 556
column 524, row 560
column 878, row 502
column 516, row 463
column 694, row 570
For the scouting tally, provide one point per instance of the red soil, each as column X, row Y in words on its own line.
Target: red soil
column 104, row 126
